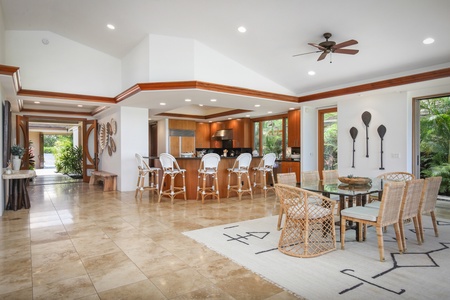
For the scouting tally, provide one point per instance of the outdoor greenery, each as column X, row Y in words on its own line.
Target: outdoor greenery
column 68, row 159
column 31, row 161
column 273, row 137
column 330, row 141
column 435, row 140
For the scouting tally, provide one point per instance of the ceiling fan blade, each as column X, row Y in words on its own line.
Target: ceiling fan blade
column 346, row 51
column 344, row 44
column 306, row 53
column 317, row 46
column 322, row 56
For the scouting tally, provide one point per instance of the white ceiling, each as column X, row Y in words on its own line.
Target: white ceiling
column 390, row 35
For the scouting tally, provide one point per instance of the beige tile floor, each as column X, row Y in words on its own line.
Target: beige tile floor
column 77, row 242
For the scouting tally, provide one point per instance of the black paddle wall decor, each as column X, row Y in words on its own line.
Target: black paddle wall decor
column 366, row 117
column 353, row 134
column 381, row 132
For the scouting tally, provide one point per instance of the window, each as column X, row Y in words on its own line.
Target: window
column 328, row 139
column 270, row 136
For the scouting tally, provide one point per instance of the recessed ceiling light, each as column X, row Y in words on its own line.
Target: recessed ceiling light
column 229, row 118
column 257, row 105
column 242, row 29
column 247, row 116
column 269, row 112
column 187, row 100
column 162, row 103
column 200, row 105
column 291, row 108
column 80, row 105
column 428, row 41
column 213, row 100
column 311, row 73
column 37, row 102
column 111, row 26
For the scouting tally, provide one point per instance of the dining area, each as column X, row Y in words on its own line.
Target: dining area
column 314, row 209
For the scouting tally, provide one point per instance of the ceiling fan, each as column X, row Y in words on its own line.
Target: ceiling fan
column 331, row 47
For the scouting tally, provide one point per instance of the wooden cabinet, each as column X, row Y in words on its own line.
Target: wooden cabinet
column 290, row 166
column 242, row 135
column 202, row 135
column 294, row 128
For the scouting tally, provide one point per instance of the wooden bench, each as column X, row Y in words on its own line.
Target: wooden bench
column 109, row 180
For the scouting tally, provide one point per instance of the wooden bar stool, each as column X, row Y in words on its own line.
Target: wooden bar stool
column 240, row 167
column 265, row 166
column 208, row 168
column 171, row 168
column 145, row 170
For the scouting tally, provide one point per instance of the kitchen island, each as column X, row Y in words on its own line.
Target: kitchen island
column 192, row 164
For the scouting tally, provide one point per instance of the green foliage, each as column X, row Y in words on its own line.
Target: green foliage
column 17, row 150
column 68, row 159
column 435, row 140
column 330, row 141
column 48, row 149
column 272, row 136
column 31, row 161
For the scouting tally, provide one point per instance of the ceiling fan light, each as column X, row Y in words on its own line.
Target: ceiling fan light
column 311, row 73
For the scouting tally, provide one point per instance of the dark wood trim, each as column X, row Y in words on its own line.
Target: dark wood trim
column 53, row 112
column 50, row 119
column 65, row 96
column 8, row 70
column 274, row 117
column 200, row 85
column 218, row 115
column 437, row 74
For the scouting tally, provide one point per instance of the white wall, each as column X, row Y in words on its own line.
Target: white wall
column 308, row 129
column 135, row 65
column 163, row 136
column 62, row 65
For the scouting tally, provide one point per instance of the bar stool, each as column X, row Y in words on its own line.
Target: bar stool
column 145, row 170
column 208, row 168
column 265, row 166
column 171, row 168
column 240, row 167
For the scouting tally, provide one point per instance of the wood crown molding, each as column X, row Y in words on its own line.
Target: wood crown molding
column 217, row 115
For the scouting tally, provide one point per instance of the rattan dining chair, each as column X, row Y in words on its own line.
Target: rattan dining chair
column 143, row 171
column 373, row 200
column 330, row 176
column 208, row 169
column 265, row 166
column 387, row 214
column 308, row 229
column 172, row 169
column 288, row 179
column 428, row 203
column 409, row 208
column 310, row 176
column 240, row 167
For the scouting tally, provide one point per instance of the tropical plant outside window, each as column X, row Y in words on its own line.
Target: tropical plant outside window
column 271, row 138
column 435, row 140
column 330, row 141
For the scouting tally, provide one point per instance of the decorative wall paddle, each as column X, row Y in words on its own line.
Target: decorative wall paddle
column 353, row 133
column 366, row 117
column 381, row 132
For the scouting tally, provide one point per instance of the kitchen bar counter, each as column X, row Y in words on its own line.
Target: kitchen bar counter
column 191, row 164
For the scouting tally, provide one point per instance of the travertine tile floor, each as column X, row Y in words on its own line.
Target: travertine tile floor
column 77, row 242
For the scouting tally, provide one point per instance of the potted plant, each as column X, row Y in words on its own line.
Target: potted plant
column 17, row 150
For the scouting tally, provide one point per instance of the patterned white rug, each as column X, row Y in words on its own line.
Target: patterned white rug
column 354, row 273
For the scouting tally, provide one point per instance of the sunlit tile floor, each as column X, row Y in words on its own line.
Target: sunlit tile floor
column 78, row 242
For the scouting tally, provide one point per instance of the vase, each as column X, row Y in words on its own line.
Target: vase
column 16, row 163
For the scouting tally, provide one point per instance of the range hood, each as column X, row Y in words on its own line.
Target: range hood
column 224, row 134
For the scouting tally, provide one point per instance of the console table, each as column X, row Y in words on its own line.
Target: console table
column 16, row 194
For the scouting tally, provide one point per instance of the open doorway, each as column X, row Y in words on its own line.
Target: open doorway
column 432, row 139
column 48, row 147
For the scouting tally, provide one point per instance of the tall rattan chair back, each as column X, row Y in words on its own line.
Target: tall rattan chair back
column 288, row 179
column 409, row 208
column 397, row 176
column 265, row 167
column 428, row 203
column 308, row 229
column 310, row 176
column 330, row 176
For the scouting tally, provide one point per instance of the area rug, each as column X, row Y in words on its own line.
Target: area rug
column 422, row 272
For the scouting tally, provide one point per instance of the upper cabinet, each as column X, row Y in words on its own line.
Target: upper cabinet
column 203, row 135
column 294, row 128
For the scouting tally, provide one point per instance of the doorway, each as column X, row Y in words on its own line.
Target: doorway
column 431, row 129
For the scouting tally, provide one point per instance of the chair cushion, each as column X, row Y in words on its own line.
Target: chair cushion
column 374, row 204
column 359, row 212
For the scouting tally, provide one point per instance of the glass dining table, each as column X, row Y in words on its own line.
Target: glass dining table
column 351, row 194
